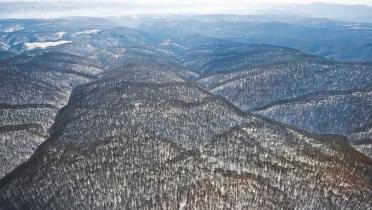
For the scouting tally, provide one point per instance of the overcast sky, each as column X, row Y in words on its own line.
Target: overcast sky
column 369, row 2
column 134, row 7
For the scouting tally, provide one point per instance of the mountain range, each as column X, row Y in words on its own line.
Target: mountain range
column 171, row 115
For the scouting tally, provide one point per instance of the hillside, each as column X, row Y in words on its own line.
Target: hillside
column 94, row 115
column 156, row 144
column 32, row 90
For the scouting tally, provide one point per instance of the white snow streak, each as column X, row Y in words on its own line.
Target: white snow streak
column 43, row 45
column 94, row 31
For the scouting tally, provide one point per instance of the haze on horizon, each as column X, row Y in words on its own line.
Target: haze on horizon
column 365, row 2
column 64, row 8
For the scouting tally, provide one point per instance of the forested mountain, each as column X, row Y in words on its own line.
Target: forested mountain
column 291, row 87
column 94, row 115
column 32, row 90
column 157, row 142
column 353, row 13
column 334, row 40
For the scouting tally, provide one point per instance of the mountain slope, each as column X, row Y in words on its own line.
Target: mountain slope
column 32, row 90
column 210, row 56
column 345, row 41
column 342, row 112
column 291, row 87
column 162, row 143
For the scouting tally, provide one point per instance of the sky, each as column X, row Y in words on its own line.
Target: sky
column 131, row 7
column 367, row 2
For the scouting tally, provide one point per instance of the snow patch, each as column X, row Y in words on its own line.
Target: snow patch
column 60, row 34
column 183, row 203
column 94, row 31
column 166, row 42
column 137, row 105
column 43, row 45
column 3, row 46
column 169, row 42
column 14, row 28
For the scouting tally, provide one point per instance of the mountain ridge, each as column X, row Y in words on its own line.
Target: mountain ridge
column 159, row 161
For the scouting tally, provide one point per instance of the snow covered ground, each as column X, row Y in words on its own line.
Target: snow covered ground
column 94, row 31
column 44, row 45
